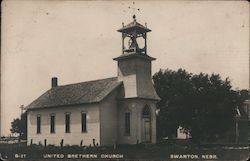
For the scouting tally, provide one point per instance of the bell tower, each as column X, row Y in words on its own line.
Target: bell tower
column 134, row 64
column 134, row 37
column 137, row 103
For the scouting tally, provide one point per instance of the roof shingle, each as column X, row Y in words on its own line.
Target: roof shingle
column 73, row 94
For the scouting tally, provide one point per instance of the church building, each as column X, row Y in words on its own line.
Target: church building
column 120, row 109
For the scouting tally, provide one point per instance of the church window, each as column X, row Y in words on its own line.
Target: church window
column 84, row 122
column 127, row 123
column 52, row 123
column 146, row 112
column 67, row 122
column 38, row 124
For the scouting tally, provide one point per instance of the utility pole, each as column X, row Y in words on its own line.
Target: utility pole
column 22, row 109
column 237, row 117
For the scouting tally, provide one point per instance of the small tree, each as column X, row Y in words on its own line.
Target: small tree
column 19, row 126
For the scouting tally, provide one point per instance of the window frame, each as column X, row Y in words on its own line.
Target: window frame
column 146, row 112
column 86, row 118
column 54, row 123
column 127, row 123
column 67, row 130
column 38, row 126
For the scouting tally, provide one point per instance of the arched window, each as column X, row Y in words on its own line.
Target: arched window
column 146, row 112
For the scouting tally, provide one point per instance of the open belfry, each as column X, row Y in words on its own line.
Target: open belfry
column 117, row 110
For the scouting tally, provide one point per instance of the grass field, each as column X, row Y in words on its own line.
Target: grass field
column 141, row 151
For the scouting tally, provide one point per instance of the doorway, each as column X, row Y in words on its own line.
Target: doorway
column 146, row 125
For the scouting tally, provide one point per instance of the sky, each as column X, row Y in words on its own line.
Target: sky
column 76, row 41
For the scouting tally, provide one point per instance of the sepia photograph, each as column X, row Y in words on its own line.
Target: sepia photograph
column 125, row 80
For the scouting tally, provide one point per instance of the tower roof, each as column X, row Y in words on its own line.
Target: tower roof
column 134, row 26
column 136, row 55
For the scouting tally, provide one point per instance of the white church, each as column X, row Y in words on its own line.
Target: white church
column 120, row 109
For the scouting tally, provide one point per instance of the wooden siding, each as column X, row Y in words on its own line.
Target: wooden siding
column 75, row 136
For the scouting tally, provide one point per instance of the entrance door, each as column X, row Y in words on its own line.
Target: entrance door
column 146, row 125
column 147, row 130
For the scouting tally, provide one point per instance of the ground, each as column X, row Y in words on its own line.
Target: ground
column 121, row 152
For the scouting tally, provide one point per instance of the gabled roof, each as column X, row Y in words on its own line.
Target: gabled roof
column 134, row 26
column 74, row 94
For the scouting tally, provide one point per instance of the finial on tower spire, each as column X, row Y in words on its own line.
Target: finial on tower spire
column 134, row 17
column 134, row 8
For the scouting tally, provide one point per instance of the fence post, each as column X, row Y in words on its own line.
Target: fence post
column 93, row 142
column 61, row 143
column 81, row 143
column 115, row 145
column 45, row 142
column 31, row 142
